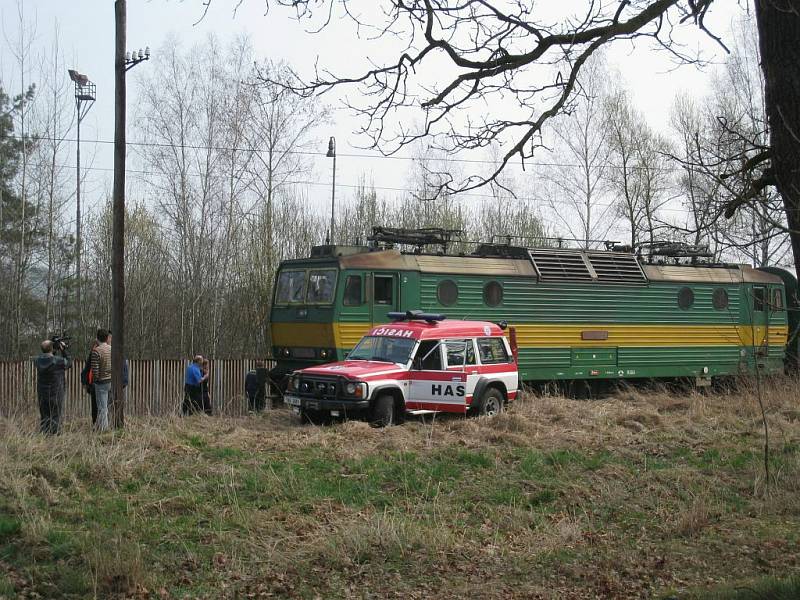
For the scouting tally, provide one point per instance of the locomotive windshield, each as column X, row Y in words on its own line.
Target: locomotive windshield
column 383, row 348
column 316, row 286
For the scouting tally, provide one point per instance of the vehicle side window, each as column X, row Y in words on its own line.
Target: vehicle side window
column 383, row 290
column 429, row 357
column 759, row 298
column 457, row 351
column 352, row 290
column 492, row 350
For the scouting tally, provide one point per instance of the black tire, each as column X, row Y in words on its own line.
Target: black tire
column 491, row 403
column 383, row 413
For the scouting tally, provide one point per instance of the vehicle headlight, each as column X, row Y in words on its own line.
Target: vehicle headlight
column 286, row 352
column 351, row 389
column 294, row 383
column 323, row 354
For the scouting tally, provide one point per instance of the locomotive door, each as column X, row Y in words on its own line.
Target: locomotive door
column 384, row 297
column 760, row 330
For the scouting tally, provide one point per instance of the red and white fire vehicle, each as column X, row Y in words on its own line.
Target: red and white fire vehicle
column 420, row 363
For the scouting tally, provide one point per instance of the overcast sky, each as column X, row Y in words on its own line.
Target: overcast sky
column 87, row 40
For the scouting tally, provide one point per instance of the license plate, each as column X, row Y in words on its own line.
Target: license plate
column 292, row 400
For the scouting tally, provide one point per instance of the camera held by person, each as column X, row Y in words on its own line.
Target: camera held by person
column 60, row 342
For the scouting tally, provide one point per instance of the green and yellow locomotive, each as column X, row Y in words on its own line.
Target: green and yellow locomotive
column 578, row 315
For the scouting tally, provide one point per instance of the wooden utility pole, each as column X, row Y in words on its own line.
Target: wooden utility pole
column 117, row 411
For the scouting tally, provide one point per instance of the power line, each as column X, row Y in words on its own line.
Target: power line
column 323, row 154
column 375, row 187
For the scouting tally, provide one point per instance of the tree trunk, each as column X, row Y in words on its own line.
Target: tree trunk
column 778, row 33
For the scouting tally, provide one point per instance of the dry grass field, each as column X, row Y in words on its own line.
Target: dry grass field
column 640, row 494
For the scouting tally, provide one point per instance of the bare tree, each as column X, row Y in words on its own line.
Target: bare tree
column 638, row 172
column 580, row 175
column 501, row 50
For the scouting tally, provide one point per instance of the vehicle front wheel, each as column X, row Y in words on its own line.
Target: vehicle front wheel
column 382, row 412
column 491, row 403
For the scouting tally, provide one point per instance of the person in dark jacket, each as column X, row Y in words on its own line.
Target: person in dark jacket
column 255, row 387
column 50, row 371
column 205, row 390
column 88, row 382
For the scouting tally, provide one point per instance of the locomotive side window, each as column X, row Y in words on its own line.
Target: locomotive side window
column 321, row 285
column 383, row 290
column 447, row 292
column 685, row 298
column 492, row 293
column 777, row 299
column 492, row 350
column 759, row 298
column 720, row 299
column 352, row 290
column 291, row 287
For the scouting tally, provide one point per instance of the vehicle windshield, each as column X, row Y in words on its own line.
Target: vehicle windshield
column 383, row 349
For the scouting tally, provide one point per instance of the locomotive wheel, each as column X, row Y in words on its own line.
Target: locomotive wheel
column 383, row 412
column 491, row 403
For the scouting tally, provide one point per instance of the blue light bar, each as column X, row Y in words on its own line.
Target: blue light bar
column 415, row 315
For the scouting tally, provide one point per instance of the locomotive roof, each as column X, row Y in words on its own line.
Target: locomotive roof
column 498, row 266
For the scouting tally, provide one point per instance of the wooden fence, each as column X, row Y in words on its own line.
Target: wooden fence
column 155, row 388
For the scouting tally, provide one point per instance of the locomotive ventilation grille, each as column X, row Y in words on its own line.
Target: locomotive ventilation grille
column 577, row 265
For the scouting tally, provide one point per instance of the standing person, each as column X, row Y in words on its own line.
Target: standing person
column 50, row 371
column 87, row 380
column 192, row 395
column 255, row 388
column 205, row 388
column 101, row 377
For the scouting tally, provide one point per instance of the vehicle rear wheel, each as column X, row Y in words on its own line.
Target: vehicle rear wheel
column 383, row 412
column 491, row 403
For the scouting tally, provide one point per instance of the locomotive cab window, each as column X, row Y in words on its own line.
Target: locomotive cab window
column 759, row 298
column 383, row 293
column 321, row 285
column 352, row 290
column 492, row 350
column 291, row 287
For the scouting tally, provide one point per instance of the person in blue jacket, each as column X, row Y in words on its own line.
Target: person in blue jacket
column 192, row 398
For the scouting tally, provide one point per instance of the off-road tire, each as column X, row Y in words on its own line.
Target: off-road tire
column 383, row 413
column 491, row 403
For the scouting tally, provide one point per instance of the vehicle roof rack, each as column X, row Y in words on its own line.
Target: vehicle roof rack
column 432, row 236
column 415, row 315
